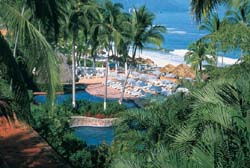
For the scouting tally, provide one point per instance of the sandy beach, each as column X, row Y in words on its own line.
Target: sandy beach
column 175, row 57
column 95, row 85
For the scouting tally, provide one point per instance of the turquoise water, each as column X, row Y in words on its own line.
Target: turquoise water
column 175, row 15
column 95, row 135
column 80, row 95
column 182, row 30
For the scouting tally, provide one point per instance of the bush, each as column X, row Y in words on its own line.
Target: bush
column 87, row 108
column 54, row 127
column 71, row 144
column 114, row 108
column 89, row 63
column 69, row 60
column 81, row 159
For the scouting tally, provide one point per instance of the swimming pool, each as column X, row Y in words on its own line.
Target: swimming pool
column 80, row 95
column 95, row 135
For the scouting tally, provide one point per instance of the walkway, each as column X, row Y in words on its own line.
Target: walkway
column 22, row 147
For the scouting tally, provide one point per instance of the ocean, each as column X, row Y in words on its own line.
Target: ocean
column 182, row 30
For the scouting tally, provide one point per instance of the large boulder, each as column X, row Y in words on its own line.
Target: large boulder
column 64, row 69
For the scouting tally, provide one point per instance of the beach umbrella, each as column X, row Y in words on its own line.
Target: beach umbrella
column 168, row 68
column 183, row 70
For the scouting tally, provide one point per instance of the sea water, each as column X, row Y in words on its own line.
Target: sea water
column 182, row 29
column 175, row 15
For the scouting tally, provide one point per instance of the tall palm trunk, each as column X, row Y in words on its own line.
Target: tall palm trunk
column 200, row 66
column 85, row 63
column 222, row 60
column 17, row 35
column 126, row 68
column 124, row 86
column 127, row 74
column 134, row 53
column 116, row 68
column 106, row 85
column 73, row 74
column 94, row 61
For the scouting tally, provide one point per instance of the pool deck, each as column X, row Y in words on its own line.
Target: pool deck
column 96, row 88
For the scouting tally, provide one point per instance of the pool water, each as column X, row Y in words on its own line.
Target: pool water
column 90, row 135
column 95, row 135
column 80, row 95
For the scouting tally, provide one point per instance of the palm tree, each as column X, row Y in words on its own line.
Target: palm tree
column 240, row 13
column 198, row 53
column 143, row 30
column 111, row 35
column 49, row 15
column 79, row 20
column 212, row 25
column 74, row 27
column 201, row 8
column 218, row 107
column 39, row 52
column 20, row 92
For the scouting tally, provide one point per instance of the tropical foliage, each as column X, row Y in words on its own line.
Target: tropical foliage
column 57, row 132
column 209, row 127
column 198, row 53
column 206, row 127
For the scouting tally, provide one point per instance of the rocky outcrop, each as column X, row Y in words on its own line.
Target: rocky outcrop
column 78, row 121
column 65, row 69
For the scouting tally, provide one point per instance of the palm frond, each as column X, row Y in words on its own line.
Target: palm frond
column 201, row 8
column 19, row 88
column 39, row 52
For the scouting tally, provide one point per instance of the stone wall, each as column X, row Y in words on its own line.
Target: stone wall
column 77, row 121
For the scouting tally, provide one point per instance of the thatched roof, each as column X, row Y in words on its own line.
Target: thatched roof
column 183, row 70
column 3, row 32
column 144, row 61
column 168, row 68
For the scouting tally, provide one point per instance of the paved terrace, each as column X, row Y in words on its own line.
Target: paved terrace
column 22, row 147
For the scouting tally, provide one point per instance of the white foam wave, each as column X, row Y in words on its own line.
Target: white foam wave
column 177, row 32
column 171, row 28
column 175, row 57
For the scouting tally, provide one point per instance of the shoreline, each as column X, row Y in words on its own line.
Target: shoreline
column 175, row 57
